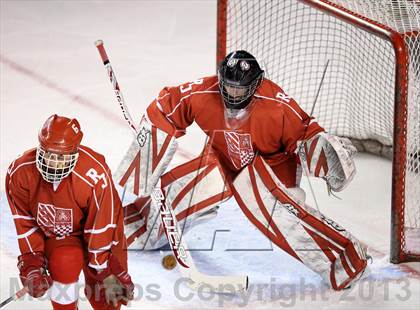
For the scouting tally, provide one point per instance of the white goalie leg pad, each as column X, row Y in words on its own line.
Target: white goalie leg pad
column 297, row 193
column 330, row 157
column 136, row 216
column 146, row 160
column 192, row 190
column 312, row 238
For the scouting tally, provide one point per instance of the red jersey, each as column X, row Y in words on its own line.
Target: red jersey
column 275, row 125
column 83, row 204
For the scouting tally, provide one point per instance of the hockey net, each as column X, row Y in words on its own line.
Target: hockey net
column 371, row 91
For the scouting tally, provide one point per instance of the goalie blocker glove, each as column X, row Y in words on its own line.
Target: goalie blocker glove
column 33, row 273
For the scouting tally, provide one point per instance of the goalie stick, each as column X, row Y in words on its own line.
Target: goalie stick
column 300, row 147
column 14, row 297
column 218, row 284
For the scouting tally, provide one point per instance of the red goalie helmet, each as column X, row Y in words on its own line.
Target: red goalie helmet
column 57, row 153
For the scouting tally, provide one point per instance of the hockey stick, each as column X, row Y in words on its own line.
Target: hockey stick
column 170, row 225
column 301, row 143
column 14, row 297
column 100, row 45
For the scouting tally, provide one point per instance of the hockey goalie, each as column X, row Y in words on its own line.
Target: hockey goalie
column 259, row 142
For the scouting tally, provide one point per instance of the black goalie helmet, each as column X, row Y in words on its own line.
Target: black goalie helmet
column 239, row 76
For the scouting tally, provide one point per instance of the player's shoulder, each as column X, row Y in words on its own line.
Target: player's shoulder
column 274, row 101
column 207, row 84
column 88, row 158
column 210, row 82
column 23, row 162
column 90, row 169
column 271, row 91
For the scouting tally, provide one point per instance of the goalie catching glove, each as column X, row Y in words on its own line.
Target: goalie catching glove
column 329, row 157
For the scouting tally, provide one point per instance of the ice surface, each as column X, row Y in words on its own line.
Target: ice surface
column 49, row 64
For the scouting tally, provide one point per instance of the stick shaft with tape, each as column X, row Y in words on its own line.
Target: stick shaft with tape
column 14, row 297
column 100, row 46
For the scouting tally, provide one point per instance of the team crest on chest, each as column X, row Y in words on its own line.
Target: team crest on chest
column 55, row 221
column 239, row 147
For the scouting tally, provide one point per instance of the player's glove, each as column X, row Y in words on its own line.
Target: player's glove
column 116, row 282
column 337, row 178
column 33, row 273
column 348, row 146
column 331, row 158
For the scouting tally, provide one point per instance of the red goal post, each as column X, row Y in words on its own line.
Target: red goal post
column 372, row 93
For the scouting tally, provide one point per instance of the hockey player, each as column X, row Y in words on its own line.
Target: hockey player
column 68, row 218
column 259, row 140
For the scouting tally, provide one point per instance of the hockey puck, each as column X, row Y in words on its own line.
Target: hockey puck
column 169, row 262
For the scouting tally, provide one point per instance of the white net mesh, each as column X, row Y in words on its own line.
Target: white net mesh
column 293, row 43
